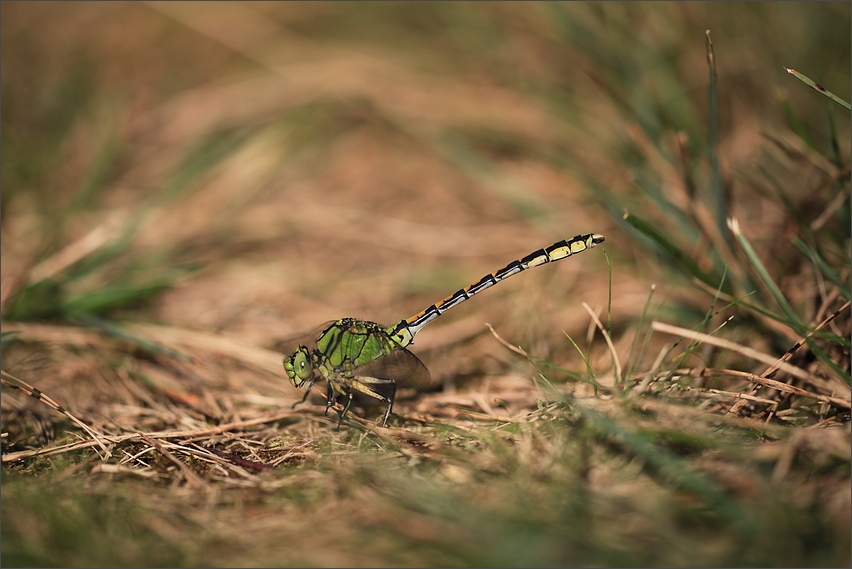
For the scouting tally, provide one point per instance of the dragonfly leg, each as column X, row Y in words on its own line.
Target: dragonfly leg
column 305, row 397
column 335, row 390
column 390, row 403
column 330, row 396
column 345, row 409
column 360, row 383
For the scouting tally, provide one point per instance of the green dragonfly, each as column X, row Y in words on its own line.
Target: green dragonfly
column 357, row 356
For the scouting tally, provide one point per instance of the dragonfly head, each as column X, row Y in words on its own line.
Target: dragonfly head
column 299, row 367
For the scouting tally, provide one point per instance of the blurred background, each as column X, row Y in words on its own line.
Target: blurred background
column 179, row 173
column 276, row 165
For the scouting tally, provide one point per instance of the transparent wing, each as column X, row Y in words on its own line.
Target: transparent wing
column 288, row 346
column 400, row 365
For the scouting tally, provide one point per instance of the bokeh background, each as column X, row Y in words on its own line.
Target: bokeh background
column 215, row 178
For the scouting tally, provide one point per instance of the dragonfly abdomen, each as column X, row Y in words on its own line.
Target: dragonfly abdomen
column 404, row 332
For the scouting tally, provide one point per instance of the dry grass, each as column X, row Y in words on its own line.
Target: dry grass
column 187, row 189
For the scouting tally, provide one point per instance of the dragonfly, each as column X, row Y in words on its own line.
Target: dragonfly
column 361, row 357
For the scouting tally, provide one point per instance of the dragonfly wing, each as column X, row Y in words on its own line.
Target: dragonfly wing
column 401, row 366
column 288, row 346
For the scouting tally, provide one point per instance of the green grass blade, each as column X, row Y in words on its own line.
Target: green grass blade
column 632, row 358
column 104, row 300
column 8, row 338
column 817, row 87
column 666, row 464
column 207, row 154
column 836, row 157
column 104, row 161
column 686, row 262
column 796, row 123
column 42, row 299
column 592, row 379
column 719, row 197
column 792, row 318
column 116, row 331
column 820, row 263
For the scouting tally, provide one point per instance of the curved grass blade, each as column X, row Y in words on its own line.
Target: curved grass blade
column 819, row 261
column 686, row 262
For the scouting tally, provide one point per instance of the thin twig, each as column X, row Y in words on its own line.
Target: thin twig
column 114, row 439
column 516, row 349
column 770, row 371
column 771, row 383
column 747, row 352
column 43, row 398
column 192, row 478
column 609, row 343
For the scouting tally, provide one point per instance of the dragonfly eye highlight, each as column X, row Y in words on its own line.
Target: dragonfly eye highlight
column 298, row 367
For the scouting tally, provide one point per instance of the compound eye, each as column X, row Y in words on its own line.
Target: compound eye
column 298, row 367
column 302, row 364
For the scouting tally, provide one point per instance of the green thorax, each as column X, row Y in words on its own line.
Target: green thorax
column 349, row 343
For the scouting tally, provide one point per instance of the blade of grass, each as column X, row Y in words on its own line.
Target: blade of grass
column 717, row 188
column 632, row 356
column 817, row 87
column 40, row 300
column 104, row 300
column 619, row 377
column 21, row 385
column 771, row 369
column 758, row 356
column 589, row 369
column 116, row 331
column 795, row 122
column 590, row 379
column 685, row 261
column 609, row 293
column 91, row 242
column 833, row 207
column 835, row 144
column 708, row 315
column 793, row 319
column 189, row 434
column 760, row 380
column 820, row 263
column 666, row 464
column 104, row 160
